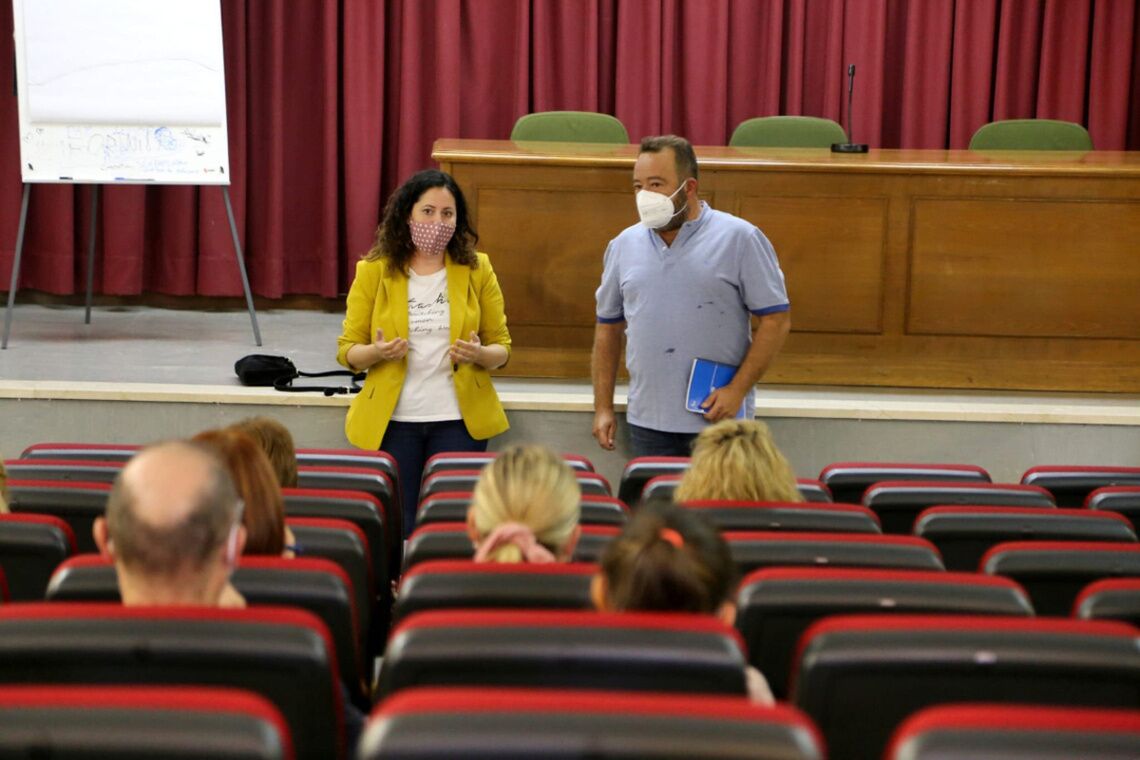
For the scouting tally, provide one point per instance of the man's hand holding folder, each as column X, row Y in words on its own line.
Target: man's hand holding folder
column 712, row 393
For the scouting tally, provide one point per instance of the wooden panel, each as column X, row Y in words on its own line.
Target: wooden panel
column 934, row 269
column 831, row 251
column 1023, row 267
column 549, row 267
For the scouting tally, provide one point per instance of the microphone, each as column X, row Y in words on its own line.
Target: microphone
column 849, row 147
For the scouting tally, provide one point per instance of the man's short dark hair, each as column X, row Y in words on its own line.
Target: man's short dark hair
column 683, row 153
column 189, row 544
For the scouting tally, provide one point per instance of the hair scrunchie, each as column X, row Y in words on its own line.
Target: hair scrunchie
column 519, row 535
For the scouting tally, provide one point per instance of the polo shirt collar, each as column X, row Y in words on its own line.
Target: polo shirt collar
column 688, row 228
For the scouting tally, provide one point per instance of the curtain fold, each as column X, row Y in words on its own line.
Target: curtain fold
column 332, row 104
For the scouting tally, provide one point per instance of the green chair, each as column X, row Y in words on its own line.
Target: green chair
column 570, row 126
column 787, row 132
column 1031, row 134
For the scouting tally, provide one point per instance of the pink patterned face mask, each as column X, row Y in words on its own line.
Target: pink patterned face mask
column 429, row 238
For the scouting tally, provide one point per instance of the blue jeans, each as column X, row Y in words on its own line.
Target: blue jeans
column 411, row 443
column 645, row 442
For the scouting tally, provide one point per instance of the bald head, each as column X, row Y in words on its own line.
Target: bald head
column 171, row 510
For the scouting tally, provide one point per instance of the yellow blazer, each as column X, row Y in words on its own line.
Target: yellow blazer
column 378, row 299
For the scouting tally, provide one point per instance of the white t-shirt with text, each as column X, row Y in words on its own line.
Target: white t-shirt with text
column 428, row 394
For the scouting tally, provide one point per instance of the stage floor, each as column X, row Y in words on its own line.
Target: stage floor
column 148, row 345
column 51, row 347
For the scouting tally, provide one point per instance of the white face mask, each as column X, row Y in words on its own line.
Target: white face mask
column 656, row 209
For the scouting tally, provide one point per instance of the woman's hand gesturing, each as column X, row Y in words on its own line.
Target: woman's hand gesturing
column 390, row 350
column 467, row 351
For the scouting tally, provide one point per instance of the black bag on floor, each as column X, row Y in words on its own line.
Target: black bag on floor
column 278, row 371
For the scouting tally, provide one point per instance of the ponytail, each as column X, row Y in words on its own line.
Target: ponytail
column 668, row 559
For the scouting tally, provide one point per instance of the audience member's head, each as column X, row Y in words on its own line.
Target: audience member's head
column 172, row 527
column 525, row 507
column 738, row 460
column 667, row 559
column 252, row 474
column 277, row 443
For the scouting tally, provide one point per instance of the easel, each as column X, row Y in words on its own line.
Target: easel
column 91, row 259
column 103, row 136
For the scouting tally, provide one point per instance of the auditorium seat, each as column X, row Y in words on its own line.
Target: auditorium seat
column 570, row 126
column 814, row 490
column 787, row 132
column 31, row 547
column 477, row 460
column 109, row 452
column 439, row 724
column 363, row 510
column 1031, row 134
column 1070, row 484
column 120, row 452
column 849, row 480
column 564, row 649
column 451, row 506
column 184, row 722
column 344, row 543
column 794, row 516
column 460, row 584
column 640, row 470
column 1055, row 572
column 1017, row 732
column 858, row 677
column 899, row 502
column 285, row 655
column 76, row 503
column 449, row 540
column 316, row 585
column 359, row 479
column 321, row 587
column 752, row 550
column 1124, row 500
column 660, row 487
column 776, row 605
column 437, row 541
column 1110, row 599
column 69, row 470
column 963, row 534
column 445, row 481
column 663, row 487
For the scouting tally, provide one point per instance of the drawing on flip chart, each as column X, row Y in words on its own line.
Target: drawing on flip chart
column 121, row 90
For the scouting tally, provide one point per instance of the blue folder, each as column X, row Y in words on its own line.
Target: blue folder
column 704, row 378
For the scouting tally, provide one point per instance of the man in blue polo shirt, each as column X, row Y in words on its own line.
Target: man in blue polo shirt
column 688, row 281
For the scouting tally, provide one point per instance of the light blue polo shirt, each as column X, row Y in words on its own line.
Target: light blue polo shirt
column 691, row 299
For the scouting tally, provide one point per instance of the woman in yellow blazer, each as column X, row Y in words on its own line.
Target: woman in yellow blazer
column 425, row 318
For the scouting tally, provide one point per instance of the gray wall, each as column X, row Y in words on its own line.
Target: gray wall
column 1006, row 449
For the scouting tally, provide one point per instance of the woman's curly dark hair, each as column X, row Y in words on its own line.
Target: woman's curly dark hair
column 394, row 237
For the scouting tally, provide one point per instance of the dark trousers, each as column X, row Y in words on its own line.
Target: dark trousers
column 646, row 442
column 411, row 443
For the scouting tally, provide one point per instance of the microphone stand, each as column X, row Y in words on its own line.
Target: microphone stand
column 849, row 147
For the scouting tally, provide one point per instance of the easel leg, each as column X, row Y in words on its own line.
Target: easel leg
column 241, row 265
column 91, row 250
column 16, row 262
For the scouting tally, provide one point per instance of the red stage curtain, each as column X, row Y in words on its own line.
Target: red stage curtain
column 332, row 104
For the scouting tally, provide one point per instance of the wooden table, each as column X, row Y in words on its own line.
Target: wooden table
column 935, row 269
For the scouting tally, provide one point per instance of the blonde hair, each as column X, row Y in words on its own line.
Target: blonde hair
column 530, row 485
column 738, row 460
